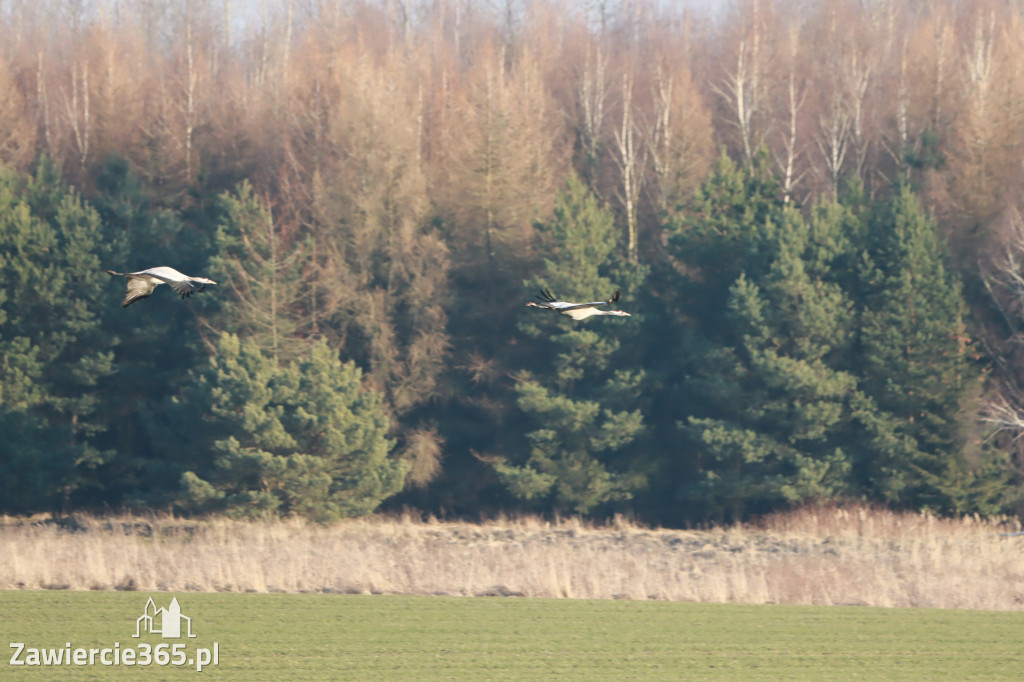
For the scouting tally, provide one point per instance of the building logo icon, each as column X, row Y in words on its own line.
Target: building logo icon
column 165, row 622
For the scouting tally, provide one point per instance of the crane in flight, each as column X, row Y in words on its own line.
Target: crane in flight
column 141, row 284
column 577, row 311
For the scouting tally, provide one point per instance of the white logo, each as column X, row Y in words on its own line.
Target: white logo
column 170, row 621
column 163, row 622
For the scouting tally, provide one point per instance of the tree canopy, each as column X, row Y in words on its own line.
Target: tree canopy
column 821, row 255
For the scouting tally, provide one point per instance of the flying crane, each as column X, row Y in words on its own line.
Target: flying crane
column 141, row 284
column 577, row 311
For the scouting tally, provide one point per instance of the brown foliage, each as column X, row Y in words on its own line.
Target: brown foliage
column 502, row 103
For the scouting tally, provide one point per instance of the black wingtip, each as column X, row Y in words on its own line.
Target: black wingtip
column 615, row 298
column 545, row 295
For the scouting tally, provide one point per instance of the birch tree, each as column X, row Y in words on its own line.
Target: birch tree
column 592, row 91
column 631, row 161
column 78, row 112
column 744, row 85
column 789, row 140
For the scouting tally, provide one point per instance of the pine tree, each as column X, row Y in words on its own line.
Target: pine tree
column 53, row 352
column 139, row 233
column 916, row 357
column 580, row 406
column 304, row 439
column 768, row 404
column 719, row 232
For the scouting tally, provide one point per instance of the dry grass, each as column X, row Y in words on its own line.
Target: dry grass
column 814, row 556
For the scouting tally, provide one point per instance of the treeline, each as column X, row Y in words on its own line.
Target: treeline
column 808, row 208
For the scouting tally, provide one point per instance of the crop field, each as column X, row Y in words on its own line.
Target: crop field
column 382, row 637
column 794, row 596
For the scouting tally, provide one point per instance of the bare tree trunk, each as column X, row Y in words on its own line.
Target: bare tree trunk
column 902, row 125
column 795, row 98
column 77, row 110
column 980, row 76
column 943, row 37
column 630, row 163
column 44, row 103
column 591, row 96
column 739, row 93
column 227, row 25
column 860, row 77
column 658, row 135
column 191, row 78
column 744, row 87
column 833, row 139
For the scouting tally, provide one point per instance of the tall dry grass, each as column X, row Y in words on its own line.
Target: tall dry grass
column 814, row 556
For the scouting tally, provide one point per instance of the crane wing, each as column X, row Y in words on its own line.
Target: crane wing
column 137, row 288
column 593, row 304
column 182, row 286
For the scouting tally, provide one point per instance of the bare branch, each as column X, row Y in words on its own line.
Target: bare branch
column 1004, row 416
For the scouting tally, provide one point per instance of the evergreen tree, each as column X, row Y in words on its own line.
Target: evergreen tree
column 53, row 352
column 580, row 405
column 835, row 363
column 915, row 352
column 155, row 343
column 768, row 404
column 719, row 233
column 304, row 439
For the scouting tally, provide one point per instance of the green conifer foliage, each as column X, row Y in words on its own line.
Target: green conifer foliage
column 784, row 404
column 155, row 341
column 304, row 439
column 579, row 415
column 52, row 349
column 915, row 352
column 769, row 403
column 719, row 234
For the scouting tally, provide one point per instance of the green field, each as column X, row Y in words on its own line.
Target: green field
column 346, row 637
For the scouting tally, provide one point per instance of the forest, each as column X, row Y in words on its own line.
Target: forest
column 809, row 206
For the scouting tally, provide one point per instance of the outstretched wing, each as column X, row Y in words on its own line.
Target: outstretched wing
column 183, row 287
column 137, row 288
column 592, row 304
column 547, row 300
column 545, row 296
